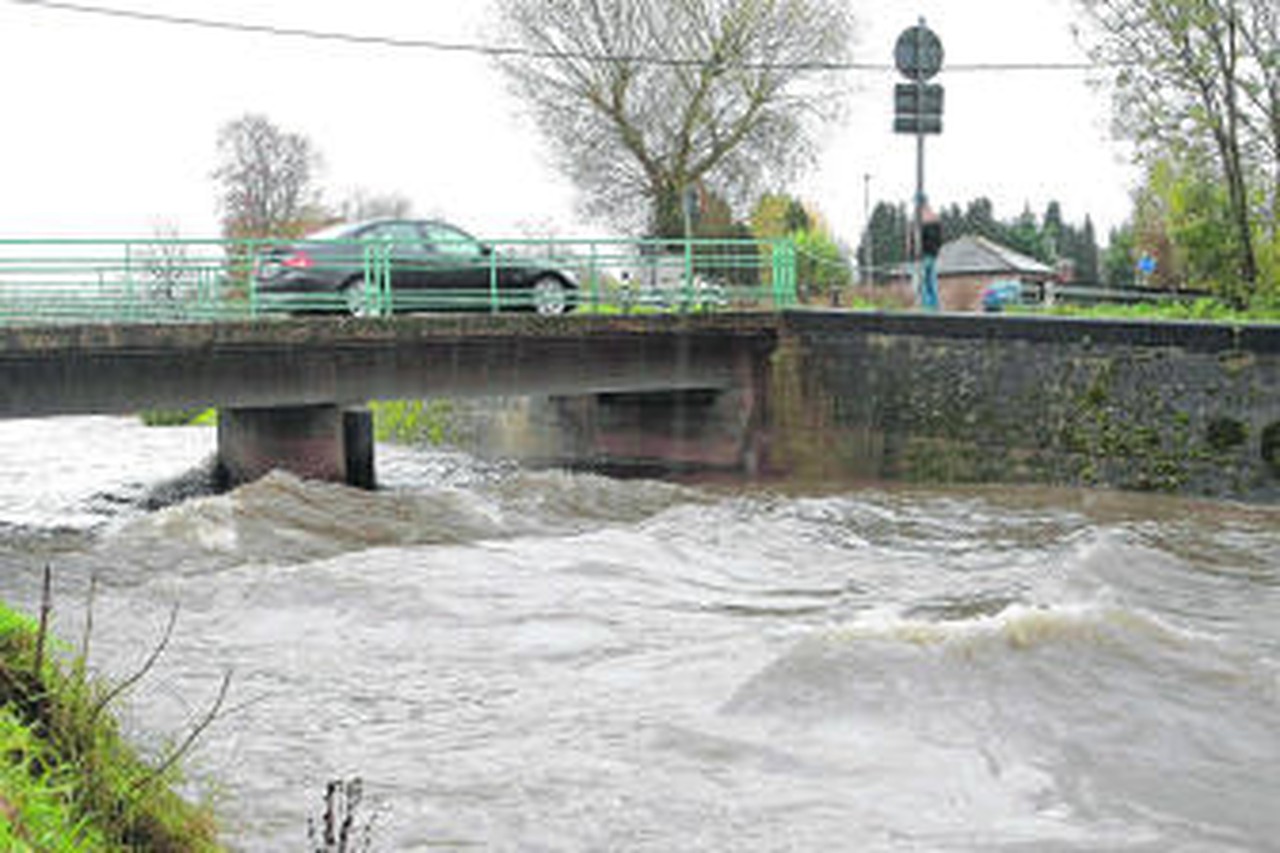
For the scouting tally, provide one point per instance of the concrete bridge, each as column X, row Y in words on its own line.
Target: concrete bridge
column 835, row 396
column 290, row 392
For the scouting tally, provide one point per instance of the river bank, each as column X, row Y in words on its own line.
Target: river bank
column 68, row 780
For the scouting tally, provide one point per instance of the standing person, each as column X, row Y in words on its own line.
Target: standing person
column 930, row 245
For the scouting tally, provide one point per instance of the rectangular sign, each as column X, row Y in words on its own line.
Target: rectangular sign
column 917, row 124
column 917, row 99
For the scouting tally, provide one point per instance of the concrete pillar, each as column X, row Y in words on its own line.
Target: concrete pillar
column 319, row 442
column 357, row 440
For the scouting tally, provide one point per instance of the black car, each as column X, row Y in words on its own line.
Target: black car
column 385, row 265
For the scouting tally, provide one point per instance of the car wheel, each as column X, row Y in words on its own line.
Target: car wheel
column 550, row 295
column 355, row 298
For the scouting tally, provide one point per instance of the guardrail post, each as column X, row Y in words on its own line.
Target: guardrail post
column 593, row 272
column 494, row 305
column 784, row 273
column 202, row 297
column 375, row 279
column 367, row 278
column 687, row 302
column 250, row 250
column 127, row 309
column 386, row 299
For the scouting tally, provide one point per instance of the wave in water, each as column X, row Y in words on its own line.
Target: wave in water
column 282, row 519
column 1120, row 712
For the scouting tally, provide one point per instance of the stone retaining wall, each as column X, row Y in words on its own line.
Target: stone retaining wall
column 1179, row 407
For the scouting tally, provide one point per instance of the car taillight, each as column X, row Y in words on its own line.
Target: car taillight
column 296, row 261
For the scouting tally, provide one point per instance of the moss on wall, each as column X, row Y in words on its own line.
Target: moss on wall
column 975, row 400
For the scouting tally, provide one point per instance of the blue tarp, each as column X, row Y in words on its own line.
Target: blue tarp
column 998, row 294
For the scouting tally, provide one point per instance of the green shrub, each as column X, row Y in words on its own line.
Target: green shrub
column 1200, row 309
column 88, row 782
column 37, row 795
column 414, row 421
column 180, row 417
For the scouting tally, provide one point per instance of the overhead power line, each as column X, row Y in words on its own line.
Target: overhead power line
column 491, row 50
column 264, row 29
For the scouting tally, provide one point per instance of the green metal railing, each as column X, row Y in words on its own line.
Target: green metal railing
column 172, row 280
column 50, row 281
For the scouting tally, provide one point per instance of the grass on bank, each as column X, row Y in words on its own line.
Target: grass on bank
column 68, row 780
column 401, row 421
column 1210, row 310
column 414, row 421
column 179, row 417
column 36, row 795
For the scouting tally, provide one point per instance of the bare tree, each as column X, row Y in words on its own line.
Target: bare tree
column 1201, row 79
column 641, row 99
column 363, row 204
column 167, row 268
column 265, row 180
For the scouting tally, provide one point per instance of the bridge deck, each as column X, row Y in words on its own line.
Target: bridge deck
column 101, row 368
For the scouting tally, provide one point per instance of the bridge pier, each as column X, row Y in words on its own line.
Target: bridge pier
column 317, row 442
column 715, row 429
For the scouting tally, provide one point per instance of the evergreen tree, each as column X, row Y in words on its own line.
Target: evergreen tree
column 1050, row 240
column 1054, row 236
column 980, row 219
column 796, row 217
column 884, row 243
column 1063, row 242
column 953, row 222
column 1120, row 257
column 1086, row 254
column 1024, row 236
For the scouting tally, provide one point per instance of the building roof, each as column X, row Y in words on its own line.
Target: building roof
column 976, row 255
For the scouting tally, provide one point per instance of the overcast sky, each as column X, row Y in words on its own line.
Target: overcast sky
column 110, row 126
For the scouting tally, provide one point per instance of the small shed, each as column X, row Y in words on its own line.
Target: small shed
column 968, row 265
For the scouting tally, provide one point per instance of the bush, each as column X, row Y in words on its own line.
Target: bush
column 37, row 795
column 180, row 417
column 414, row 421
column 821, row 268
column 90, row 788
column 1201, row 309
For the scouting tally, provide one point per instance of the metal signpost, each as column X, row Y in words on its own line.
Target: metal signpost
column 917, row 105
column 689, row 209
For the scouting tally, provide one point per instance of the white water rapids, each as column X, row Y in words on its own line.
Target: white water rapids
column 516, row 660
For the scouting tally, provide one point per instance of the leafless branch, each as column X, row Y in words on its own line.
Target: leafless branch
column 46, row 607
column 738, row 110
column 150, row 662
column 198, row 729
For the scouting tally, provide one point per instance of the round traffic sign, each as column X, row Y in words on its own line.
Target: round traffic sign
column 918, row 52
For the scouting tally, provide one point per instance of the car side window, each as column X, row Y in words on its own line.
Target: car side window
column 451, row 241
column 403, row 237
